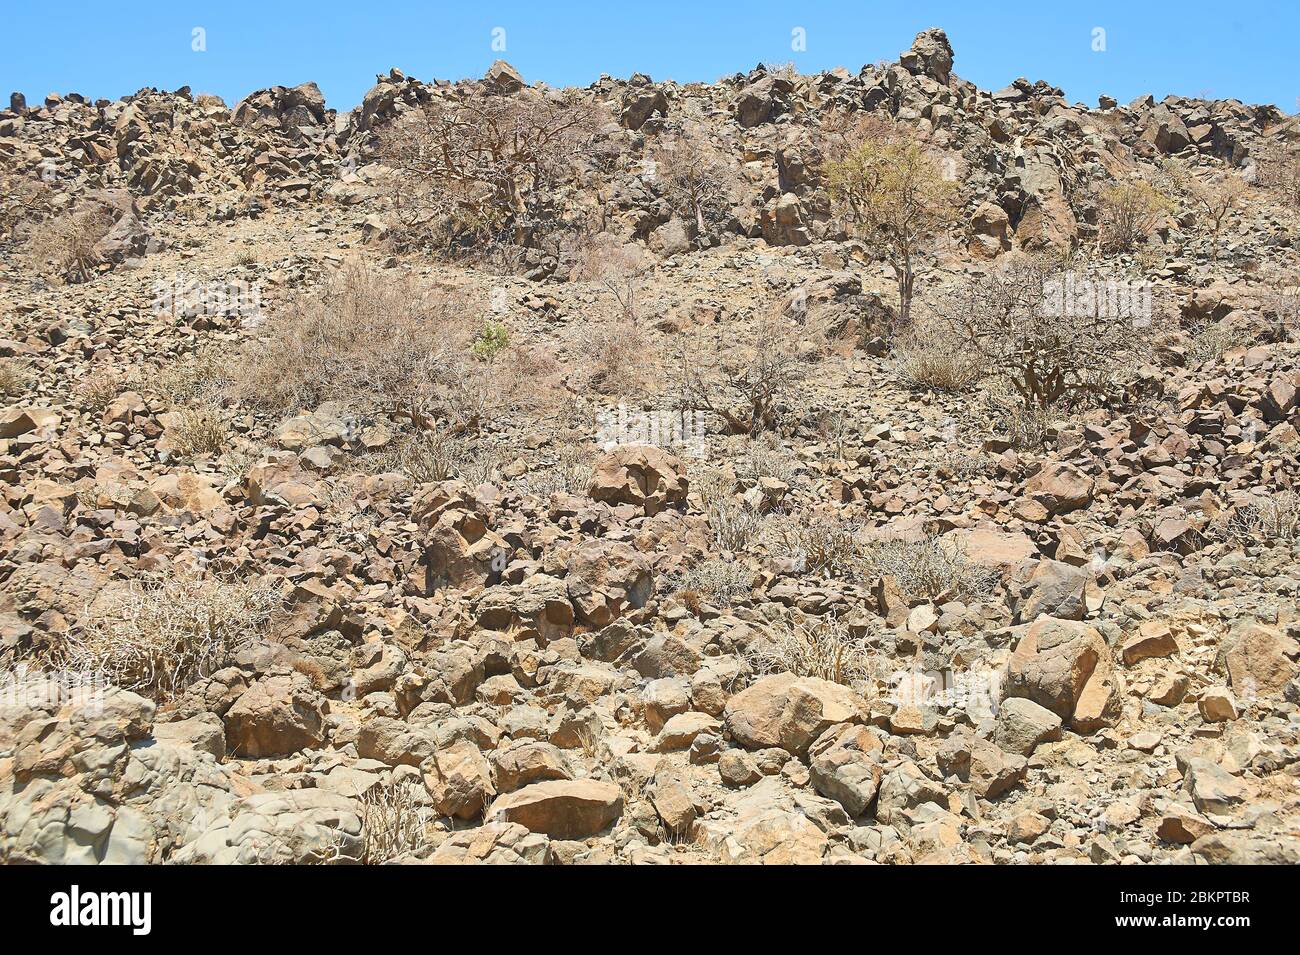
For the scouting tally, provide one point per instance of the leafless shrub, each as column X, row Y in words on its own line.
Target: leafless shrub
column 99, row 388
column 721, row 581
column 66, row 243
column 1278, row 168
column 619, row 357
column 201, row 378
column 474, row 172
column 22, row 200
column 619, row 268
column 570, row 474
column 1281, row 306
column 823, row 648
column 742, row 379
column 1047, row 347
column 395, row 822
column 761, row 460
column 1272, row 518
column 161, row 632
column 199, row 430
column 1129, row 213
column 734, row 524
column 1209, row 343
column 384, row 343
column 931, row 569
column 820, row 545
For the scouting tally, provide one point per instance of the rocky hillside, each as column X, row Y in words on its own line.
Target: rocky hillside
column 640, row 520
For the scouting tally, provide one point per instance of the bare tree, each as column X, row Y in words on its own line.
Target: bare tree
column 892, row 193
column 696, row 179
column 617, row 267
column 474, row 170
column 740, row 379
column 1052, row 335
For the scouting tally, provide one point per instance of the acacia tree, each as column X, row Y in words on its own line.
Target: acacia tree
column 474, row 170
column 892, row 194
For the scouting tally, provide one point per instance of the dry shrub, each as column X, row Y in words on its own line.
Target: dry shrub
column 99, row 388
column 1210, row 342
column 931, row 569
column 198, row 431
column 1049, row 346
column 819, row 544
column 161, row 632
column 395, row 822
column 201, row 378
column 823, row 648
column 13, row 377
column 1129, row 213
column 721, row 581
column 619, row 268
column 22, row 200
column 734, row 524
column 1278, row 168
column 66, row 243
column 619, row 356
column 930, row 355
column 384, row 343
column 1271, row 519
column 742, row 374
column 696, row 179
column 570, row 474
column 760, row 460
column 1281, row 306
column 474, row 173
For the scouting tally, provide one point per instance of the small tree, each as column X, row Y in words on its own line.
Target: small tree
column 474, row 171
column 696, row 180
column 892, row 194
column 1130, row 212
column 1214, row 201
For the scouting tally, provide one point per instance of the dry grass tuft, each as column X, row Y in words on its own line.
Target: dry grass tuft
column 159, row 633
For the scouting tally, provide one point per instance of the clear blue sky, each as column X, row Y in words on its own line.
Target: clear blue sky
column 1244, row 49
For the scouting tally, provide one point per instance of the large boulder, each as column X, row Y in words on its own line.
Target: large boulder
column 561, row 809
column 607, row 579
column 1066, row 667
column 278, row 715
column 789, row 711
column 639, row 474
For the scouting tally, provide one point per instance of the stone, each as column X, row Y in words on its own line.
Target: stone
column 278, row 715
column 561, row 809
column 789, row 711
column 1065, row 667
column 1022, row 725
column 642, row 475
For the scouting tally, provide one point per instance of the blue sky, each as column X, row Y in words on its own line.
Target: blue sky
column 1244, row 49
